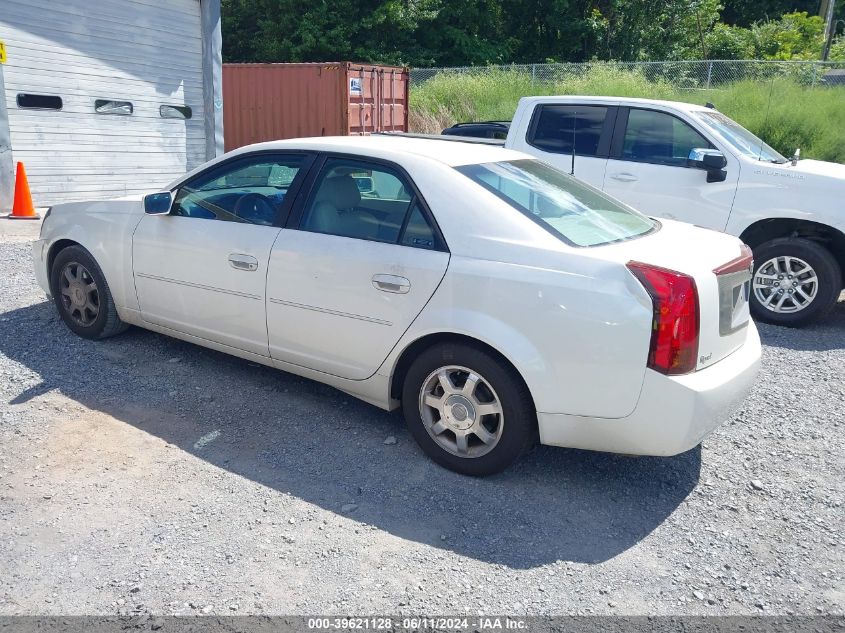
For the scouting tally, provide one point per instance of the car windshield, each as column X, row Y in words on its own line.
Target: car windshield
column 573, row 211
column 740, row 138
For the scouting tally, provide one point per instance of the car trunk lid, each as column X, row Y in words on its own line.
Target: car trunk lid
column 719, row 264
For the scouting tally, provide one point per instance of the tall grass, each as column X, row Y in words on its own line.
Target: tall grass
column 783, row 112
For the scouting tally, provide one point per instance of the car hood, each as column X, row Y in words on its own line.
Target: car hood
column 126, row 204
column 816, row 168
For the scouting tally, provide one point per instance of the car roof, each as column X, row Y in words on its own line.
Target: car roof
column 679, row 105
column 395, row 146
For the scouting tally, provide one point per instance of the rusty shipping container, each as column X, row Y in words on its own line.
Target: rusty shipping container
column 266, row 102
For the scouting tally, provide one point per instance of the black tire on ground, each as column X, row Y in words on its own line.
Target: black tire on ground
column 827, row 271
column 519, row 430
column 106, row 323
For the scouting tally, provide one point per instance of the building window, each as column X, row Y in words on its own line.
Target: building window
column 39, row 102
column 175, row 112
column 107, row 106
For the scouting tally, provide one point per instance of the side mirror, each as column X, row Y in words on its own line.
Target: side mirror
column 706, row 159
column 158, row 203
column 711, row 160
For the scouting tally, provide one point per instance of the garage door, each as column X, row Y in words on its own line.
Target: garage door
column 104, row 98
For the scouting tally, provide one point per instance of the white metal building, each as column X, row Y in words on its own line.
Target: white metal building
column 107, row 98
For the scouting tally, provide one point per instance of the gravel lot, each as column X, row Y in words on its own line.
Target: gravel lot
column 143, row 474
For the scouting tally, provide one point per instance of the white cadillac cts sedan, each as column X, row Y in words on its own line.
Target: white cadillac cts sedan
column 489, row 295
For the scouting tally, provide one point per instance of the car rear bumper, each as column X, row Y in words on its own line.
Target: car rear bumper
column 673, row 414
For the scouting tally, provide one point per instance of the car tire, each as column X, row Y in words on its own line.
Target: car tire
column 482, row 399
column 774, row 263
column 82, row 295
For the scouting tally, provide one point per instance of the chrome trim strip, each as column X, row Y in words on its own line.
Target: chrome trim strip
column 332, row 312
column 200, row 286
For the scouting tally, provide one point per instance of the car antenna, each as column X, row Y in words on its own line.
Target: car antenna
column 766, row 118
column 572, row 166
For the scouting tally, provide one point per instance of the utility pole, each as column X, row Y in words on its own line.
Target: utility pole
column 827, row 8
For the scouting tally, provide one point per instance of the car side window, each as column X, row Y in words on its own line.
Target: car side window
column 369, row 201
column 660, row 138
column 250, row 190
column 556, row 126
column 418, row 232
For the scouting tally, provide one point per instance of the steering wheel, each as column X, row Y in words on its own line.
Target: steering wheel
column 255, row 208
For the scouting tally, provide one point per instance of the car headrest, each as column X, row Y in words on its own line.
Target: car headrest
column 339, row 191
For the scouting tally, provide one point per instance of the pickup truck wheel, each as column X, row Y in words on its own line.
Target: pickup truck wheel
column 469, row 411
column 795, row 282
column 82, row 295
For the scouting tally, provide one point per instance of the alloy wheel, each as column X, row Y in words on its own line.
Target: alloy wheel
column 461, row 411
column 785, row 284
column 79, row 294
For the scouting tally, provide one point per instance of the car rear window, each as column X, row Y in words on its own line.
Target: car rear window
column 577, row 213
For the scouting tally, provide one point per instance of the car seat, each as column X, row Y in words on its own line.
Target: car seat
column 335, row 210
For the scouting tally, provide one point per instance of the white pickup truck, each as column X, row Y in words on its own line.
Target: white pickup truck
column 692, row 163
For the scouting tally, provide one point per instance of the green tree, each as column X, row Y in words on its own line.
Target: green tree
column 415, row 32
column 730, row 42
column 478, row 32
column 794, row 36
column 654, row 29
column 745, row 13
column 462, row 34
column 837, row 50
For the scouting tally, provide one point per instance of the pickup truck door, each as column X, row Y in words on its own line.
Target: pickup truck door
column 550, row 133
column 648, row 170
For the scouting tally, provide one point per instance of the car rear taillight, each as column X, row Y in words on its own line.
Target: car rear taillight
column 674, row 335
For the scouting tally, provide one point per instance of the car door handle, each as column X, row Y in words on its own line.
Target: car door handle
column 624, row 177
column 243, row 262
column 392, row 283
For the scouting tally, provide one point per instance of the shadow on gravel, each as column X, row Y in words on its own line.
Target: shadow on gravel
column 828, row 334
column 311, row 441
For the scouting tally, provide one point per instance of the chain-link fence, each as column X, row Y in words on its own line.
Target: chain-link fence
column 692, row 75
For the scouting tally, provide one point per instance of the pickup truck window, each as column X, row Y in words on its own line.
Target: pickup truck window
column 740, row 139
column 575, row 212
column 660, row 138
column 554, row 126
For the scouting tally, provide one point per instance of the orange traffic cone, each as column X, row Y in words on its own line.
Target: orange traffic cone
column 22, row 208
